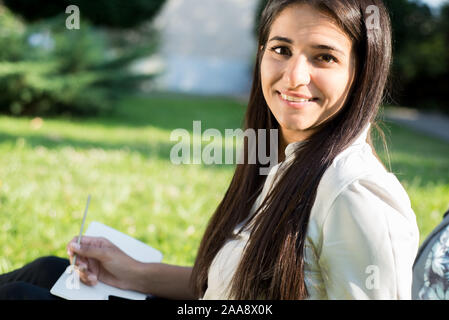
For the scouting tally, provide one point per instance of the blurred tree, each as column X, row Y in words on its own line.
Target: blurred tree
column 106, row 13
column 48, row 69
column 445, row 18
column 421, row 55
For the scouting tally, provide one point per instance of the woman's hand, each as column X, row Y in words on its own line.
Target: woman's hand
column 100, row 260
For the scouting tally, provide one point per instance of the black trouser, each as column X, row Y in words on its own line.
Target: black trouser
column 34, row 280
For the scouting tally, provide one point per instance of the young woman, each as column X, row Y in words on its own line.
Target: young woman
column 329, row 221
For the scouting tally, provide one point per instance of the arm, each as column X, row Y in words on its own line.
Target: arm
column 100, row 260
column 164, row 280
column 370, row 238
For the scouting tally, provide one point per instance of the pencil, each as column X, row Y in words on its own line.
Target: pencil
column 82, row 227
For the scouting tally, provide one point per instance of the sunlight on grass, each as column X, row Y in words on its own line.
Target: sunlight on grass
column 421, row 164
column 124, row 163
column 50, row 166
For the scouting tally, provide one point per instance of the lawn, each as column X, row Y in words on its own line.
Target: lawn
column 48, row 168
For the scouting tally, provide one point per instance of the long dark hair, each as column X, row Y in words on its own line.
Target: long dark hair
column 272, row 265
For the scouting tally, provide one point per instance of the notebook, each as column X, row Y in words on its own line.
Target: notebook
column 68, row 287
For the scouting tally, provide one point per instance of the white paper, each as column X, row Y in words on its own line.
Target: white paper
column 69, row 288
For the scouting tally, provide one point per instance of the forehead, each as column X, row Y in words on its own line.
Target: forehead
column 302, row 22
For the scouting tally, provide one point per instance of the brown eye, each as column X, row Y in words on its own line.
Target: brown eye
column 280, row 50
column 328, row 58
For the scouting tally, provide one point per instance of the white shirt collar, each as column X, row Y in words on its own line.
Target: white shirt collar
column 291, row 147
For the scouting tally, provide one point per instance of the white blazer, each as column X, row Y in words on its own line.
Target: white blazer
column 362, row 236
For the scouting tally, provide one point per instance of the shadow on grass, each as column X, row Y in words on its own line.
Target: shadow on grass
column 164, row 111
column 415, row 158
column 171, row 111
column 158, row 150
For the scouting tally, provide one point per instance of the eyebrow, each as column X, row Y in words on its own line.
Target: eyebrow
column 283, row 39
column 317, row 46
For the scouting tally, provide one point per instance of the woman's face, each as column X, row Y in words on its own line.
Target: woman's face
column 310, row 60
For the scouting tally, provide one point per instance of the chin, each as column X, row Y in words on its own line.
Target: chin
column 296, row 125
column 300, row 127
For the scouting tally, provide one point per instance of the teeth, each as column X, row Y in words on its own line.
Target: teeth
column 288, row 98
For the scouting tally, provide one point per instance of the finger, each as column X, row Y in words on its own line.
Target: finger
column 89, row 266
column 83, row 271
column 87, row 278
column 74, row 240
column 92, row 247
column 93, row 279
column 93, row 266
column 69, row 248
column 82, row 262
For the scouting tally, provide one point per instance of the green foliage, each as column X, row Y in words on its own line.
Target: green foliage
column 419, row 42
column 11, row 31
column 48, row 69
column 108, row 13
column 421, row 54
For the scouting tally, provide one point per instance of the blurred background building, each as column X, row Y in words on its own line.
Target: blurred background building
column 207, row 47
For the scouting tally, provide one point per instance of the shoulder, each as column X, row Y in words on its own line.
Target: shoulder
column 362, row 217
column 355, row 163
column 357, row 181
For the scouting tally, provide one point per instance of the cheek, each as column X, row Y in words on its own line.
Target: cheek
column 264, row 78
column 333, row 85
column 270, row 72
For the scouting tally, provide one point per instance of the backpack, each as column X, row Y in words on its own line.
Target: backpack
column 431, row 266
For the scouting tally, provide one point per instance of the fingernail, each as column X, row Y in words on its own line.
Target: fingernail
column 92, row 278
column 75, row 246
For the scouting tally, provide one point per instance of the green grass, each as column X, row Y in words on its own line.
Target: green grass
column 123, row 161
column 421, row 163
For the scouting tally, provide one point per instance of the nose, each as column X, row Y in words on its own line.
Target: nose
column 297, row 72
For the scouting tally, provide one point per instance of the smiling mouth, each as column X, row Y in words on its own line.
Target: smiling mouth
column 295, row 99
